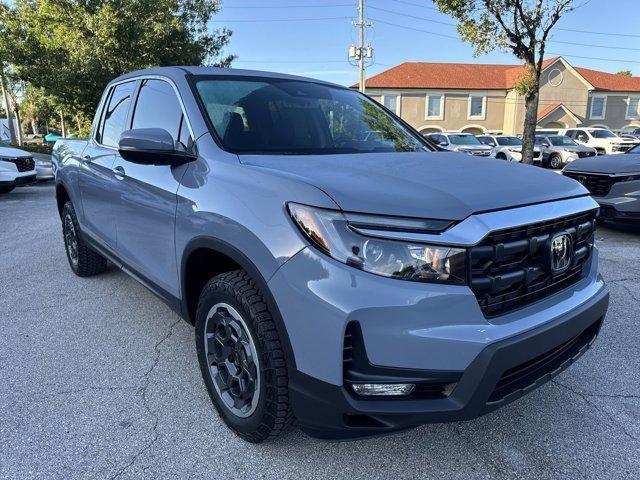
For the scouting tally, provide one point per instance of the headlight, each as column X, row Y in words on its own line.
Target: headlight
column 43, row 163
column 514, row 150
column 331, row 232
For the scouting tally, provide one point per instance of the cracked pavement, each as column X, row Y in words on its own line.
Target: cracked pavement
column 99, row 379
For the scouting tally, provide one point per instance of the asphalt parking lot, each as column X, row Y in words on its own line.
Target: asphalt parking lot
column 99, row 379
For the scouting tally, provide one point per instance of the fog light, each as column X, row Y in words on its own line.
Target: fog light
column 383, row 389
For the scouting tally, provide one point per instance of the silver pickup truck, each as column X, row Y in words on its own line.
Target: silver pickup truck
column 357, row 283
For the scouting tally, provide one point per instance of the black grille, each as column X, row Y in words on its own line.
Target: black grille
column 528, row 373
column 598, row 185
column 510, row 268
column 24, row 164
column 586, row 154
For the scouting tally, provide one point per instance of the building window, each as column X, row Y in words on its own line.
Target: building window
column 633, row 108
column 434, row 107
column 477, row 107
column 392, row 102
column 598, row 107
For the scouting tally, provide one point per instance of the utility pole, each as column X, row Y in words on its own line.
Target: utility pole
column 361, row 53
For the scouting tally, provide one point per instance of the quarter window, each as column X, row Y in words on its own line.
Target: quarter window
column 477, row 106
column 598, row 107
column 115, row 115
column 158, row 107
column 633, row 108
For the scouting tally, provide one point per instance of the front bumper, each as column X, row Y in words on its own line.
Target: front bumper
column 17, row 179
column 415, row 330
column 622, row 203
column 491, row 381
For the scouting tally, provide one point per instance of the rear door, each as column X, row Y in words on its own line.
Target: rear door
column 147, row 205
column 96, row 180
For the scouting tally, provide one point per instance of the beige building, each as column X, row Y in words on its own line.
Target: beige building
column 479, row 98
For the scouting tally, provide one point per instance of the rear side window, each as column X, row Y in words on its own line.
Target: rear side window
column 115, row 115
column 158, row 107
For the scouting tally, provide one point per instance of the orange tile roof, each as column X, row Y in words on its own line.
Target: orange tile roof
column 547, row 110
column 449, row 75
column 609, row 81
column 471, row 76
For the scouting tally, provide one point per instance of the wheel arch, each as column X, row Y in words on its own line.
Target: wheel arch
column 62, row 197
column 229, row 258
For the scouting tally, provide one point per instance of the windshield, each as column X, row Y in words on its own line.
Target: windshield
column 560, row 141
column 509, row 141
column 276, row 116
column 464, row 140
column 602, row 134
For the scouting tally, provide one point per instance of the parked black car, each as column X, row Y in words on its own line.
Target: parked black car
column 613, row 181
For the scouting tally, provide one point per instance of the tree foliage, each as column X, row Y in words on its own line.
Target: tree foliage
column 521, row 27
column 624, row 73
column 70, row 49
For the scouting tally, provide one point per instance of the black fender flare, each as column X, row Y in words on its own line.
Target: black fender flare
column 246, row 264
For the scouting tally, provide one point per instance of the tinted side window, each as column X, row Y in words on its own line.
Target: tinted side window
column 158, row 107
column 115, row 114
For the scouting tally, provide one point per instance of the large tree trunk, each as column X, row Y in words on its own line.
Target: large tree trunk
column 7, row 106
column 530, row 122
column 19, row 122
column 63, row 126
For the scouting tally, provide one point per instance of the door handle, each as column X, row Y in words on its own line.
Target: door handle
column 119, row 171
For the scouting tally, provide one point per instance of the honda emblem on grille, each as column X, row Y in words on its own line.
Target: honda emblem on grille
column 582, row 179
column 561, row 253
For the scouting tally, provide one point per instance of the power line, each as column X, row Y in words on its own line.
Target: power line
column 590, row 32
column 267, row 20
column 288, row 6
column 412, row 16
column 415, row 29
column 456, row 38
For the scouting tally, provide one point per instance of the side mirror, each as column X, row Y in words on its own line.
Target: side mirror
column 151, row 146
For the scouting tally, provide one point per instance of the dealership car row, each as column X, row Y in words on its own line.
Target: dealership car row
column 19, row 168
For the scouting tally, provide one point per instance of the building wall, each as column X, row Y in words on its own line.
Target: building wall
column 455, row 109
column 615, row 111
column 505, row 108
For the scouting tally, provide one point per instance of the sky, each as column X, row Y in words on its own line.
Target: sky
column 312, row 37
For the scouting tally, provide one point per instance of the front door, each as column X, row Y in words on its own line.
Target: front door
column 96, row 179
column 147, row 206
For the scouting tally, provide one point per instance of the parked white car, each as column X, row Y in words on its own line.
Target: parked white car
column 604, row 141
column 507, row 147
column 17, row 168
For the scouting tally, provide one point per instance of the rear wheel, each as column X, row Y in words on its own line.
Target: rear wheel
column 501, row 156
column 241, row 358
column 555, row 161
column 6, row 189
column 83, row 260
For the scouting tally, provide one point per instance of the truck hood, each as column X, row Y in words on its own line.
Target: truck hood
column 439, row 185
column 609, row 164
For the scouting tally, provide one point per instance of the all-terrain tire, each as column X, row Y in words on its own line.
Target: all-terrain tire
column 83, row 260
column 272, row 415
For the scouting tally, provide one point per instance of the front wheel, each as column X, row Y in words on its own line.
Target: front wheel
column 555, row 161
column 241, row 358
